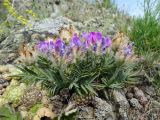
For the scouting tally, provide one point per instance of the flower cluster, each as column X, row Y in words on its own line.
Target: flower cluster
column 128, row 50
column 78, row 46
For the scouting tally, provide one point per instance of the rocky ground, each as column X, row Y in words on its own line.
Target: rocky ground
column 138, row 102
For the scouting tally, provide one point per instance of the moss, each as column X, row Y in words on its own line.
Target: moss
column 35, row 108
column 13, row 94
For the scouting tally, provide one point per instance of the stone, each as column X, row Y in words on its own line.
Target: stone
column 31, row 96
column 140, row 96
column 150, row 90
column 44, row 112
column 86, row 113
column 129, row 95
column 6, row 76
column 122, row 104
column 103, row 110
column 43, row 29
column 135, row 103
column 57, row 104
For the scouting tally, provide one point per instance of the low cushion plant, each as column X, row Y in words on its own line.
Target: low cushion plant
column 84, row 65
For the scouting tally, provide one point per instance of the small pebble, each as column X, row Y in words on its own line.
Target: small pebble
column 5, row 84
column 2, row 81
column 129, row 95
column 6, row 77
column 3, row 90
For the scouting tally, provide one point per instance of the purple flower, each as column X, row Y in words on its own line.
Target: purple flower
column 95, row 47
column 42, row 46
column 128, row 50
column 50, row 45
column 106, row 42
column 59, row 46
column 92, row 37
column 99, row 36
column 75, row 42
column 84, row 36
column 86, row 44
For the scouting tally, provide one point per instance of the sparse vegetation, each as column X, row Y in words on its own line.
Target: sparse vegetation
column 145, row 31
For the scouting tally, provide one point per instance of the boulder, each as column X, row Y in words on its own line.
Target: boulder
column 122, row 105
column 35, row 31
column 103, row 110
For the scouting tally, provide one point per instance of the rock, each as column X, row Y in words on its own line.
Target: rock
column 121, row 103
column 46, row 28
column 44, row 113
column 150, row 90
column 13, row 93
column 57, row 104
column 103, row 110
column 6, row 77
column 140, row 96
column 3, row 85
column 6, row 84
column 31, row 96
column 86, row 113
column 135, row 103
column 3, row 68
column 129, row 95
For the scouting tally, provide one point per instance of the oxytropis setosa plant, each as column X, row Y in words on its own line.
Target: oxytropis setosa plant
column 84, row 65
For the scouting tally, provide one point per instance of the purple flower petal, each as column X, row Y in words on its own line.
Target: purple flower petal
column 99, row 36
column 106, row 42
column 42, row 46
column 59, row 47
column 92, row 37
column 128, row 50
column 75, row 42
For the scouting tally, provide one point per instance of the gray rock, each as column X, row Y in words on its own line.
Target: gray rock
column 150, row 90
column 129, row 95
column 48, row 27
column 43, row 28
column 103, row 110
column 86, row 113
column 122, row 104
column 139, row 94
column 135, row 103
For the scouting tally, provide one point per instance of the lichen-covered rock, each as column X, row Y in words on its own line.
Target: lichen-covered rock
column 135, row 103
column 103, row 110
column 122, row 104
column 85, row 113
column 44, row 113
column 140, row 96
column 30, row 98
column 48, row 27
column 57, row 104
column 13, row 93
column 3, row 85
